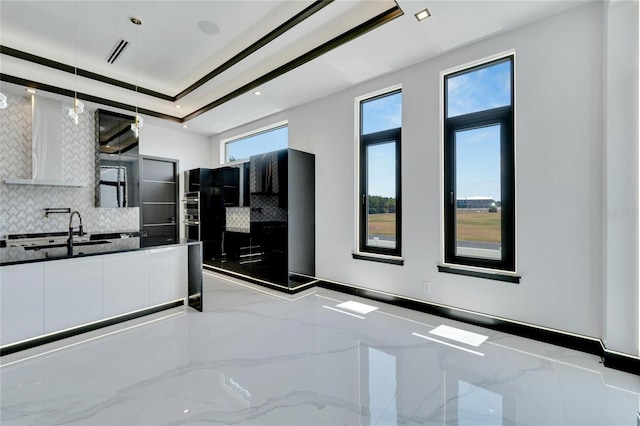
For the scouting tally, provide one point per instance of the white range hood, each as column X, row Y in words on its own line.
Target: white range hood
column 46, row 145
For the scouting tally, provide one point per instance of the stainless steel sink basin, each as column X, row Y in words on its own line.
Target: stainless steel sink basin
column 58, row 245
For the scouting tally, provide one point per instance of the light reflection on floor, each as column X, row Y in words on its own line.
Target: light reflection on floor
column 258, row 357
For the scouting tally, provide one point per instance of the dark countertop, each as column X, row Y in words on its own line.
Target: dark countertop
column 18, row 255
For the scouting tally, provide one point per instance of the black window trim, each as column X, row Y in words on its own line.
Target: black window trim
column 505, row 117
column 366, row 140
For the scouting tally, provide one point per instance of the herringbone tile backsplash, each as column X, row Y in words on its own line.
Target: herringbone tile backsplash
column 22, row 206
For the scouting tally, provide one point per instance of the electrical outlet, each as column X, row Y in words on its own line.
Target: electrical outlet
column 427, row 286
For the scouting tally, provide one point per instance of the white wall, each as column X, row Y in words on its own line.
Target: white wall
column 621, row 175
column 191, row 150
column 559, row 168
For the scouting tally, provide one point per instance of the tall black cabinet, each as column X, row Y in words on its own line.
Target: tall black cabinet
column 207, row 193
column 280, row 245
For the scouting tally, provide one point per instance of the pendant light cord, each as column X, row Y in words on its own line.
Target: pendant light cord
column 75, row 59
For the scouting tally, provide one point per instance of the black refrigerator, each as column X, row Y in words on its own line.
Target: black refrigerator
column 207, row 193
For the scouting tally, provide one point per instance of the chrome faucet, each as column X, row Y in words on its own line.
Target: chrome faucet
column 80, row 232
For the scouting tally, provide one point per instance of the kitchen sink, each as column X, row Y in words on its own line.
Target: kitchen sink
column 58, row 245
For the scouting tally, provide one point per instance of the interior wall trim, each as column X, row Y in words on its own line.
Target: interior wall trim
column 85, row 97
column 35, row 59
column 337, row 41
column 343, row 38
column 620, row 361
column 588, row 344
column 293, row 290
column 253, row 47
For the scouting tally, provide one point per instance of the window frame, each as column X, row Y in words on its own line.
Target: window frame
column 365, row 141
column 505, row 117
column 224, row 143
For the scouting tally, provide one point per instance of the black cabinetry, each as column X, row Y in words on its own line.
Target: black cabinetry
column 207, row 193
column 159, row 196
column 280, row 245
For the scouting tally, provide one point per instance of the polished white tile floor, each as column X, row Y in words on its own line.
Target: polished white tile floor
column 256, row 357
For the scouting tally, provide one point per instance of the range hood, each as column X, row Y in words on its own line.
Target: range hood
column 46, row 145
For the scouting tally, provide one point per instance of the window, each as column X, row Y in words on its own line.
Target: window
column 479, row 172
column 379, row 204
column 268, row 139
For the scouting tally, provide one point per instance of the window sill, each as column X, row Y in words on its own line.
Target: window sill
column 496, row 276
column 393, row 260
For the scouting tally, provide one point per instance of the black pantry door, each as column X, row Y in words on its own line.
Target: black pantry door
column 159, row 196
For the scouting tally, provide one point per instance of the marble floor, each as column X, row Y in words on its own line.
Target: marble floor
column 257, row 357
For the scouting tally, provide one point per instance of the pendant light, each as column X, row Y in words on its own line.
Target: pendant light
column 137, row 124
column 78, row 107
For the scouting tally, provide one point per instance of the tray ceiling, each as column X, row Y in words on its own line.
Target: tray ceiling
column 209, row 56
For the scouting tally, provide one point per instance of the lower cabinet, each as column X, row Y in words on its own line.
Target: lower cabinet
column 46, row 297
column 168, row 269
column 125, row 281
column 72, row 292
column 21, row 302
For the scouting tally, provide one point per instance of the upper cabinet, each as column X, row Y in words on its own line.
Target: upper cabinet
column 117, row 165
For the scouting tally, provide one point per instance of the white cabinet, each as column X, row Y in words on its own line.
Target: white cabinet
column 21, row 302
column 167, row 274
column 126, row 282
column 72, row 292
column 54, row 295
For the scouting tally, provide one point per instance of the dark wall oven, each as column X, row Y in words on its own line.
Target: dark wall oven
column 191, row 207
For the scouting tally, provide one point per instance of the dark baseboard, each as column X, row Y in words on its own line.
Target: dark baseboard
column 6, row 350
column 297, row 289
column 571, row 341
column 591, row 345
column 621, row 362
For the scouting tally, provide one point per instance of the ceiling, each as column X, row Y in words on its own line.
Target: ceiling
column 209, row 57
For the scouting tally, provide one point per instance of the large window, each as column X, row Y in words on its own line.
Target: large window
column 479, row 175
column 268, row 139
column 379, row 203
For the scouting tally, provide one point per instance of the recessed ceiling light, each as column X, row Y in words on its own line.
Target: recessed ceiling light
column 30, row 90
column 423, row 14
column 185, row 126
column 135, row 21
column 257, row 93
column 178, row 106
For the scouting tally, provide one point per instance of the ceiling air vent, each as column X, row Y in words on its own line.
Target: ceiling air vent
column 117, row 50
